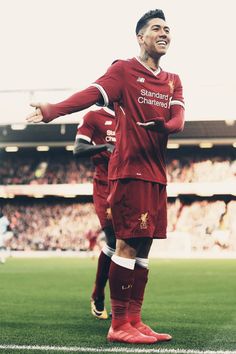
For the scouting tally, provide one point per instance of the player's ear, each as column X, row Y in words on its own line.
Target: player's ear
column 140, row 38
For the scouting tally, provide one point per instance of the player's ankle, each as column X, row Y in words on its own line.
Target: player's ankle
column 98, row 297
column 135, row 320
column 119, row 322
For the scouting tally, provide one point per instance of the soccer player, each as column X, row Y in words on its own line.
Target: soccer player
column 96, row 138
column 149, row 106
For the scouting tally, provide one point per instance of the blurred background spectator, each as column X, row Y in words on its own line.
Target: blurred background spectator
column 65, row 225
column 59, row 166
column 52, row 223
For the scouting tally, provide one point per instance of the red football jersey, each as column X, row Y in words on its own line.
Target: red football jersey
column 139, row 94
column 98, row 127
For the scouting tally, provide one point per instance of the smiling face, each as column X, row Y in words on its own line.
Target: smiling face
column 154, row 38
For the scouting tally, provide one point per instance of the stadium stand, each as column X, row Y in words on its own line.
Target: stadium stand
column 64, row 225
column 59, row 166
column 201, row 177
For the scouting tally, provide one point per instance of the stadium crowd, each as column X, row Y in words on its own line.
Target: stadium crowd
column 209, row 224
column 45, row 169
column 64, row 168
column 51, row 225
column 198, row 169
column 45, row 226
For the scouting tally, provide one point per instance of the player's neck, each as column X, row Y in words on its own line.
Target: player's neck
column 152, row 63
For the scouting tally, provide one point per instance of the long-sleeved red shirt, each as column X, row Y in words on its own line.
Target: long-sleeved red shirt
column 139, row 94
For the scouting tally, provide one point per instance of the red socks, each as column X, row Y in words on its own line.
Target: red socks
column 127, row 288
column 102, row 275
column 121, row 281
column 137, row 294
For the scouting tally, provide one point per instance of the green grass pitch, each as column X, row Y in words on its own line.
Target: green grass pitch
column 46, row 302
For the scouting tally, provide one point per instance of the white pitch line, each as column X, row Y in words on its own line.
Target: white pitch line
column 113, row 350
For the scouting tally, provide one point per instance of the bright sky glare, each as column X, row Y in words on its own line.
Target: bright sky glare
column 67, row 44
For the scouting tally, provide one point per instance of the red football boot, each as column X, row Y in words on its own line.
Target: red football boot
column 128, row 334
column 146, row 330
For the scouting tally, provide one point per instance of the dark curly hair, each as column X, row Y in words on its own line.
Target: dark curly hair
column 143, row 21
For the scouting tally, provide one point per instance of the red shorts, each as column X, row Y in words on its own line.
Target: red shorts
column 100, row 194
column 139, row 208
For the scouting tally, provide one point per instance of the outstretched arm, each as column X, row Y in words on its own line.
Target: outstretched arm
column 83, row 148
column 46, row 112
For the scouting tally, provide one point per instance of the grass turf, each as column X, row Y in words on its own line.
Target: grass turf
column 46, row 302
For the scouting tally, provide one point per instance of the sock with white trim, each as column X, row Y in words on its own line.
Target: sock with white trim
column 121, row 279
column 138, row 289
column 103, row 267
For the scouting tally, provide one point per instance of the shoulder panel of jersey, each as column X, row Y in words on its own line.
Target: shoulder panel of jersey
column 92, row 122
column 87, row 125
column 110, row 83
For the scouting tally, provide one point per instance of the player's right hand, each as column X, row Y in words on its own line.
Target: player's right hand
column 36, row 116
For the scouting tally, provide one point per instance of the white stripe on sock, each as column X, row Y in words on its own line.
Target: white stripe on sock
column 124, row 262
column 108, row 251
column 142, row 262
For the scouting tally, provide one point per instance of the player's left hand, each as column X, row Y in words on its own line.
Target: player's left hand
column 156, row 124
column 110, row 148
column 36, row 116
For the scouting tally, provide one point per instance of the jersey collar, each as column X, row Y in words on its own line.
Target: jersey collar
column 155, row 73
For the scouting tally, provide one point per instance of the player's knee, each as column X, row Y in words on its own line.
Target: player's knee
column 125, row 249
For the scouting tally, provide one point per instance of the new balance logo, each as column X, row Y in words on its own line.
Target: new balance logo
column 140, row 79
column 108, row 122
